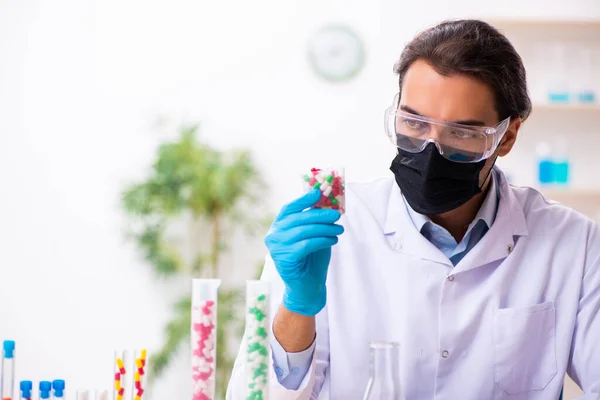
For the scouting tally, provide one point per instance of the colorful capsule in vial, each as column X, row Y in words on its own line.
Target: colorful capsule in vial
column 331, row 182
column 121, row 360
column 139, row 374
column 204, row 337
column 257, row 340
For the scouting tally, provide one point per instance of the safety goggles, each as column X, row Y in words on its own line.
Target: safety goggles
column 456, row 142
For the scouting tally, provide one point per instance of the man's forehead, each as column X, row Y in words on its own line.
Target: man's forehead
column 456, row 97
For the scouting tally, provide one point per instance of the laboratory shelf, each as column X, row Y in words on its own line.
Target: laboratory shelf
column 594, row 107
column 586, row 201
column 569, row 192
column 505, row 23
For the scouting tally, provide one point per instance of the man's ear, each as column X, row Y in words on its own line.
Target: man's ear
column 510, row 137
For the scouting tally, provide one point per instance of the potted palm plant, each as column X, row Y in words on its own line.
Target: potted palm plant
column 210, row 192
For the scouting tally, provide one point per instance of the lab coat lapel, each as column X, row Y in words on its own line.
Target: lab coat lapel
column 500, row 241
column 406, row 238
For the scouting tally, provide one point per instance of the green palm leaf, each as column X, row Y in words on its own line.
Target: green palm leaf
column 190, row 179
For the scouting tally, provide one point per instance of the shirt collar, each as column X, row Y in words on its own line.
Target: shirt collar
column 486, row 213
column 388, row 210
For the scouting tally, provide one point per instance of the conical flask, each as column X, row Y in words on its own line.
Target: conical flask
column 384, row 372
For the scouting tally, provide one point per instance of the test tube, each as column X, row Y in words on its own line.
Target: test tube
column 8, row 370
column 204, row 337
column 257, row 340
column 120, row 373
column 58, row 385
column 139, row 375
column 83, row 395
column 26, row 387
column 102, row 395
column 45, row 389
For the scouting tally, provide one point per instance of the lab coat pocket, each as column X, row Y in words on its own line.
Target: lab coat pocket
column 524, row 347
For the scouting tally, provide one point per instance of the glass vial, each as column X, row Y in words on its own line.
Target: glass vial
column 384, row 372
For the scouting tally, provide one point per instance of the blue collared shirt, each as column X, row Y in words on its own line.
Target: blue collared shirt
column 292, row 367
column 443, row 240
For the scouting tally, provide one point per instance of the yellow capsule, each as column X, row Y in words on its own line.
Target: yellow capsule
column 139, row 363
column 136, row 376
column 120, row 363
column 144, row 353
column 118, row 385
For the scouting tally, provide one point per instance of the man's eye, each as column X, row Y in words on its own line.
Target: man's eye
column 462, row 134
column 415, row 124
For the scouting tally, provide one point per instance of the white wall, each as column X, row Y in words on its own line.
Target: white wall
column 81, row 84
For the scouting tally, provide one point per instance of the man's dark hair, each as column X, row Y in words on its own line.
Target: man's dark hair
column 473, row 48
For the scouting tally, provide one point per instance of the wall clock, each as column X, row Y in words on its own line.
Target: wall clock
column 336, row 53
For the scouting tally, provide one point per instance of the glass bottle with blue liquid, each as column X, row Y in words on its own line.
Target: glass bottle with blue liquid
column 553, row 164
column 545, row 164
column 561, row 163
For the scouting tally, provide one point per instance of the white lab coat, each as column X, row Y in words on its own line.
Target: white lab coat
column 521, row 308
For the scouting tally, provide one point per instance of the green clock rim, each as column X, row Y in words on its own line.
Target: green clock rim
column 361, row 54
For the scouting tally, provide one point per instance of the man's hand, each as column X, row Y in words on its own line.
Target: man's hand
column 299, row 243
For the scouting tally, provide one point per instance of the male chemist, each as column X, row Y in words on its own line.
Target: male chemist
column 492, row 291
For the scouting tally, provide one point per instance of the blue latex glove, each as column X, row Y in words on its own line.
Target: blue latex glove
column 300, row 243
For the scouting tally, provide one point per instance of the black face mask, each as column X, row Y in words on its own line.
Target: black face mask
column 433, row 184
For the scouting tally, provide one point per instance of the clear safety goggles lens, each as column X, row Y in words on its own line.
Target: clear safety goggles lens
column 456, row 142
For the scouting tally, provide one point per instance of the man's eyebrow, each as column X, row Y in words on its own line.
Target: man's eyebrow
column 470, row 122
